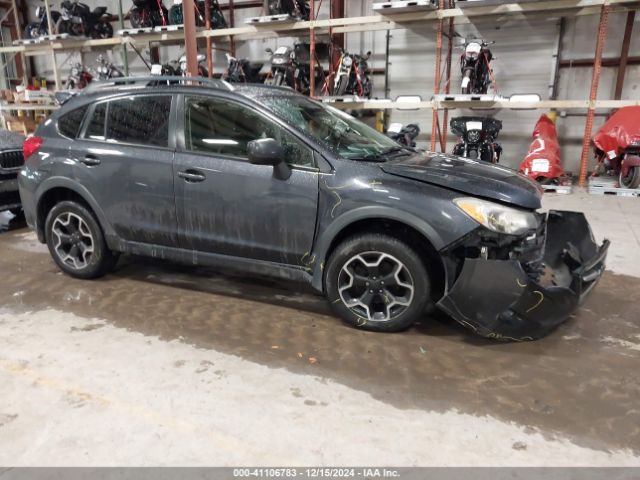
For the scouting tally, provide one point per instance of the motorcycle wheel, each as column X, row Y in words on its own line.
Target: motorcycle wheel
column 632, row 179
column 102, row 30
column 175, row 15
column 33, row 31
column 62, row 27
column 487, row 154
column 342, row 86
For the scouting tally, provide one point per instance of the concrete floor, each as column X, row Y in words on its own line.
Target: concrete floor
column 159, row 364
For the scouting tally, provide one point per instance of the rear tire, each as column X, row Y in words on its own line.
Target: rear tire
column 33, row 31
column 76, row 241
column 387, row 297
column 342, row 86
column 632, row 180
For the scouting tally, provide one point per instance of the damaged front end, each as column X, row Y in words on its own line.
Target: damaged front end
column 521, row 288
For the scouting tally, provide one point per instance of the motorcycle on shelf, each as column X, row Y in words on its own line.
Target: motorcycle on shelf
column 148, row 13
column 79, row 77
column 41, row 27
column 179, row 67
column 404, row 134
column 282, row 67
column 79, row 20
column 475, row 66
column 477, row 138
column 176, row 16
column 107, row 69
column 296, row 8
column 352, row 75
column 241, row 70
column 617, row 147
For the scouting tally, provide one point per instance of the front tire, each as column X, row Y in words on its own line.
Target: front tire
column 632, row 179
column 76, row 241
column 376, row 282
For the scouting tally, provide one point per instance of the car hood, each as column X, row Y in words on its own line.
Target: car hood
column 468, row 176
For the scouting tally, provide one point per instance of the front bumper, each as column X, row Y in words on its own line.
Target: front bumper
column 498, row 299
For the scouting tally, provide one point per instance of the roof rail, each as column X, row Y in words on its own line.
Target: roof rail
column 158, row 80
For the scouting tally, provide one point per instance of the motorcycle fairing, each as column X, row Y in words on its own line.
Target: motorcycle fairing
column 620, row 132
column 499, row 299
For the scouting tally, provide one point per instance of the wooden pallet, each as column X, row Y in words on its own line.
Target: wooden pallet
column 609, row 186
column 270, row 19
column 384, row 8
column 134, row 31
column 169, row 28
column 561, row 189
column 59, row 36
column 459, row 97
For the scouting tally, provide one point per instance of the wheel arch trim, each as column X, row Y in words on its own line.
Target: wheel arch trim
column 66, row 183
column 343, row 222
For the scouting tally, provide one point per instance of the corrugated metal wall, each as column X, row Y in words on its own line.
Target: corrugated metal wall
column 523, row 64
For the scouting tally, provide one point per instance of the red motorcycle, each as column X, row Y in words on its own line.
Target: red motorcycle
column 79, row 77
column 617, row 147
column 542, row 162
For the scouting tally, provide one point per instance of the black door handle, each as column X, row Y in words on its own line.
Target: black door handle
column 90, row 160
column 192, row 176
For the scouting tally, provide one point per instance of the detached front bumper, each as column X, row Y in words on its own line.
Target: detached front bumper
column 498, row 299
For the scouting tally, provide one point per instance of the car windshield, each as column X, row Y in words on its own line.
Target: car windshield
column 338, row 131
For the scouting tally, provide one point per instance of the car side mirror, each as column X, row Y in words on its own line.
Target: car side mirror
column 267, row 151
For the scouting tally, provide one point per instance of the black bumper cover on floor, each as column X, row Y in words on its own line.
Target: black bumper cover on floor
column 497, row 299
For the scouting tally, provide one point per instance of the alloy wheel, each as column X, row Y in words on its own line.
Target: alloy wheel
column 74, row 243
column 375, row 286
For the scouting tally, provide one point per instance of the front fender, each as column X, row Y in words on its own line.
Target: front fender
column 326, row 237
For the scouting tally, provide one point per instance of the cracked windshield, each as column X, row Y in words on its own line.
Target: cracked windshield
column 341, row 133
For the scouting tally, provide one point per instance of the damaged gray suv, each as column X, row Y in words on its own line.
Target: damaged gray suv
column 267, row 181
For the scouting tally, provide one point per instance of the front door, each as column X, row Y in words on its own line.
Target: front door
column 125, row 158
column 228, row 206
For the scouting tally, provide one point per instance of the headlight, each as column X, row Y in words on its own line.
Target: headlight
column 474, row 136
column 497, row 217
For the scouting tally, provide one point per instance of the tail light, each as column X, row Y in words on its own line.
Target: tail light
column 31, row 145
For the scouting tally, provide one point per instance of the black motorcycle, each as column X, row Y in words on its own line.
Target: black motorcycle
column 241, row 70
column 282, row 67
column 79, row 20
column 107, row 69
column 475, row 67
column 148, row 13
column 296, row 8
column 404, row 135
column 477, row 138
column 41, row 27
column 352, row 75
column 176, row 16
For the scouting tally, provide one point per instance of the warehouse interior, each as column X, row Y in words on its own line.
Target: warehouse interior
column 175, row 363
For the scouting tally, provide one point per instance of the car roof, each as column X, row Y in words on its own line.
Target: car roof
column 141, row 85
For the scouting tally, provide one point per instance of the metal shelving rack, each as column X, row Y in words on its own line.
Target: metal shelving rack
column 444, row 15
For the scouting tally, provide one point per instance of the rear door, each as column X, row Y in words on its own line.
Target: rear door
column 227, row 205
column 124, row 156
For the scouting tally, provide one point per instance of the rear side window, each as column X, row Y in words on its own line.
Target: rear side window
column 69, row 124
column 140, row 120
column 95, row 129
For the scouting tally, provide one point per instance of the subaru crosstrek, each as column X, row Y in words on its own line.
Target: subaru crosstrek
column 267, row 181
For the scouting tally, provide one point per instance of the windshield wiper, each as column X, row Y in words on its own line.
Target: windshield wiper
column 386, row 154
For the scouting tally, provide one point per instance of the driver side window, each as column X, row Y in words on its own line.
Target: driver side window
column 220, row 127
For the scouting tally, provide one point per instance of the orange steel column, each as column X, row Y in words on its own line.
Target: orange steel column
column 207, row 25
column 595, row 79
column 312, row 51
column 190, row 42
column 447, row 84
column 436, row 89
